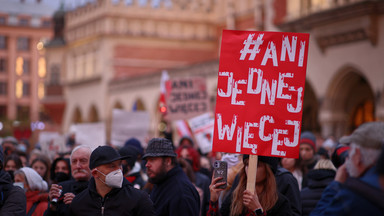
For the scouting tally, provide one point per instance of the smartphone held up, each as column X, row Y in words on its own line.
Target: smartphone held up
column 220, row 169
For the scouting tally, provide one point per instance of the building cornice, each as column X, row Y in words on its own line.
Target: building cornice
column 84, row 81
column 204, row 69
column 340, row 25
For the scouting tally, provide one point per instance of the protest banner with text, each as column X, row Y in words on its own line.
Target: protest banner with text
column 260, row 93
column 186, row 97
column 202, row 128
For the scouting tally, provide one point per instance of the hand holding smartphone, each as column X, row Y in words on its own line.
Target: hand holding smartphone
column 220, row 169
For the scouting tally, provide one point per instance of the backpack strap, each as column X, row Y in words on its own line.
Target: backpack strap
column 372, row 194
column 32, row 209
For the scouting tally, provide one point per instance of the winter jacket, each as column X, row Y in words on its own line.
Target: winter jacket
column 41, row 200
column 203, row 182
column 13, row 200
column 70, row 186
column 318, row 180
column 119, row 201
column 175, row 195
column 340, row 200
column 288, row 186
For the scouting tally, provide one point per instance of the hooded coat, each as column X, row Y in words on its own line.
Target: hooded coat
column 14, row 200
column 318, row 180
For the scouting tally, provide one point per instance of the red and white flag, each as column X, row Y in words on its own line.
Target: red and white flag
column 163, row 80
column 183, row 128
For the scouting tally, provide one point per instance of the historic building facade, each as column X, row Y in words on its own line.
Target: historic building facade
column 115, row 52
column 24, row 28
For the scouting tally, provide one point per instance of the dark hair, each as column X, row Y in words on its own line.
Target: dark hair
column 187, row 168
column 53, row 167
column 15, row 158
column 195, row 156
column 45, row 160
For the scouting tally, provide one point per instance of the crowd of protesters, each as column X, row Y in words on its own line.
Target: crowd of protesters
column 333, row 177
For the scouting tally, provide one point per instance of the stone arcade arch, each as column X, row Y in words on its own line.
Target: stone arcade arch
column 77, row 116
column 138, row 105
column 349, row 102
column 310, row 110
column 93, row 115
column 118, row 105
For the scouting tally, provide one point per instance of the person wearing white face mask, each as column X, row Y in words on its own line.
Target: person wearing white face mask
column 108, row 192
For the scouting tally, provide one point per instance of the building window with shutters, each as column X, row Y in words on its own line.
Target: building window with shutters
column 3, row 65
column 3, row 88
column 3, row 42
column 26, row 89
column 23, row 44
column 3, row 111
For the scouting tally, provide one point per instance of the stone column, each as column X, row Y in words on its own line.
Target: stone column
column 333, row 122
column 11, row 108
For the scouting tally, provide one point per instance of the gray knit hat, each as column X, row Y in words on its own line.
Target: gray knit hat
column 368, row 135
column 159, row 147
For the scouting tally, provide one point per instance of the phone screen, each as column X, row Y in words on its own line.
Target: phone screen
column 220, row 169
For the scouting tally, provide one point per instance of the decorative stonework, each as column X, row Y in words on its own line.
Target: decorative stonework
column 195, row 20
column 359, row 29
column 342, row 24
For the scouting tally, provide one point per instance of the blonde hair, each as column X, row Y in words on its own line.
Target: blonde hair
column 325, row 164
column 268, row 196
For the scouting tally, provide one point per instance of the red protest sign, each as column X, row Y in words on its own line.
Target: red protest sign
column 260, row 92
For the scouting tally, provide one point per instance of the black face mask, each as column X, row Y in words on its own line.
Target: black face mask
column 60, row 177
column 10, row 172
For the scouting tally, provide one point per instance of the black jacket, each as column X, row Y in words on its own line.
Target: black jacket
column 70, row 186
column 119, row 201
column 288, row 186
column 203, row 182
column 318, row 180
column 176, row 195
column 12, row 198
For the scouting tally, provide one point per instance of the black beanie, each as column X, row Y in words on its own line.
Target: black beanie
column 271, row 161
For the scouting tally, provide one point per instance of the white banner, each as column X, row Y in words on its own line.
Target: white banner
column 52, row 143
column 126, row 125
column 90, row 134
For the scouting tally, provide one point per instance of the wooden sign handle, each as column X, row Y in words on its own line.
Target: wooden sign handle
column 252, row 170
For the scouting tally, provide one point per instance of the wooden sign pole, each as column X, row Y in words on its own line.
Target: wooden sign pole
column 252, row 170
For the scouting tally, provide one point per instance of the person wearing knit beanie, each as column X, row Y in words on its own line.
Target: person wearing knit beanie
column 33, row 180
column 35, row 190
column 308, row 149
